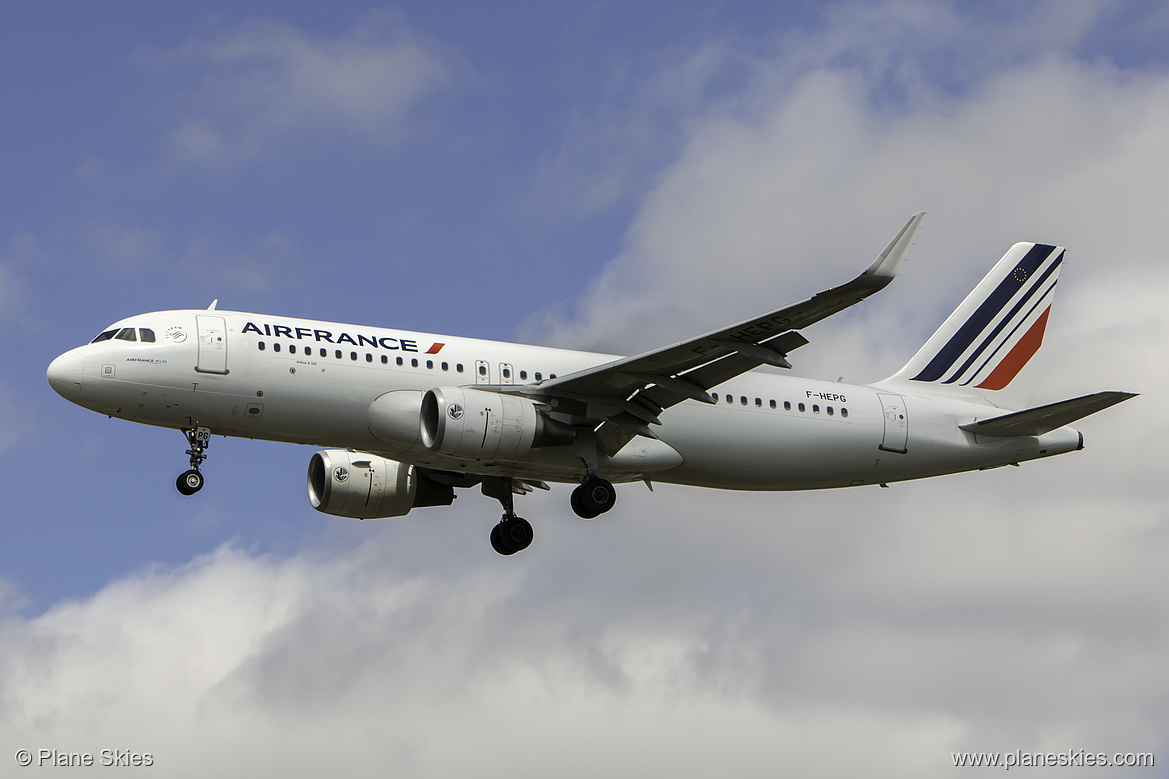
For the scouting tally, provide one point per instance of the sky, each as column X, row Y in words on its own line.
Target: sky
column 609, row 176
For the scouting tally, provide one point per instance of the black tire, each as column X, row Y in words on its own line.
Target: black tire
column 516, row 533
column 498, row 543
column 574, row 500
column 189, row 482
column 597, row 496
column 511, row 536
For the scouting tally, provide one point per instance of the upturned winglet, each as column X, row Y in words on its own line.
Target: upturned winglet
column 888, row 260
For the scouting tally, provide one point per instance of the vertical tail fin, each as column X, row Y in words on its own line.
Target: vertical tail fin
column 986, row 348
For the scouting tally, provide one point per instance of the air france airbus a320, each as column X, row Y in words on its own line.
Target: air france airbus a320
column 406, row 418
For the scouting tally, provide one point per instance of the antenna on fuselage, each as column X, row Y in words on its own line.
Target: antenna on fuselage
column 214, row 303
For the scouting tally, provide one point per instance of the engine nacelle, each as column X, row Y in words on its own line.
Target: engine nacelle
column 363, row 486
column 393, row 419
column 463, row 422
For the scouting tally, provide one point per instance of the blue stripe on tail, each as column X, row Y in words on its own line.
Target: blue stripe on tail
column 990, row 308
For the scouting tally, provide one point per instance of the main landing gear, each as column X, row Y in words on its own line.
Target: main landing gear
column 593, row 498
column 191, row 481
column 512, row 534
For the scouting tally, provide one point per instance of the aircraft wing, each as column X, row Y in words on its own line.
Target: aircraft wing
column 630, row 392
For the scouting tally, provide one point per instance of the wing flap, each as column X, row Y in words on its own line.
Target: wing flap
column 1044, row 419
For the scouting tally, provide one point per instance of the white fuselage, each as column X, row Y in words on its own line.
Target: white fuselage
column 309, row 382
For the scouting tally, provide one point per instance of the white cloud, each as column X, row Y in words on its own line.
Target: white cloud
column 267, row 81
column 692, row 631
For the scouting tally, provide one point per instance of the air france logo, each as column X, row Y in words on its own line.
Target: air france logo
column 454, row 411
column 340, row 473
column 374, row 341
column 176, row 334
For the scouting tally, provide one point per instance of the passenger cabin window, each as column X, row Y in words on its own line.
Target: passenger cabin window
column 146, row 335
column 127, row 334
column 107, row 335
column 482, row 370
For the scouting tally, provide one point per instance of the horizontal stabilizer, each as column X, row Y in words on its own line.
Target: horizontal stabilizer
column 1044, row 419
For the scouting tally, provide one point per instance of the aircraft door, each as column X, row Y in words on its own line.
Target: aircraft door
column 212, row 344
column 482, row 374
column 896, row 423
column 505, row 373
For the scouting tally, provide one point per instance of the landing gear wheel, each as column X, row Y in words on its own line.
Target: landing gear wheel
column 189, row 482
column 511, row 535
column 578, row 508
column 593, row 498
column 497, row 542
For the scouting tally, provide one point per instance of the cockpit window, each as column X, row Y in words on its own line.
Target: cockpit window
column 107, row 335
column 126, row 334
column 146, row 335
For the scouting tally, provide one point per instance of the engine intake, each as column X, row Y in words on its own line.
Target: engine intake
column 463, row 422
column 364, row 486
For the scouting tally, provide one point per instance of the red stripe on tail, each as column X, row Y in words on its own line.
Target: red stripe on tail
column 1006, row 371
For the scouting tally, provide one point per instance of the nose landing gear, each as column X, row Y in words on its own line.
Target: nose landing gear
column 191, row 481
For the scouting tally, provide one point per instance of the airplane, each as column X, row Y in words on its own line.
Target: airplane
column 406, row 418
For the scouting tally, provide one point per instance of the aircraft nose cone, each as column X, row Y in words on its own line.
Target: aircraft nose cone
column 65, row 374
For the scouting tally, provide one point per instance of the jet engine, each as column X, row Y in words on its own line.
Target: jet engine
column 464, row 422
column 363, row 486
column 393, row 419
